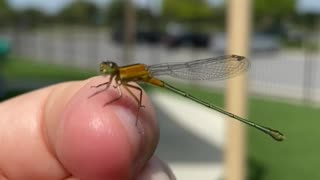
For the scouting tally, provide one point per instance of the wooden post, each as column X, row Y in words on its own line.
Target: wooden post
column 239, row 25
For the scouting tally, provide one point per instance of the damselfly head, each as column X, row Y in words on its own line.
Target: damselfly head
column 108, row 68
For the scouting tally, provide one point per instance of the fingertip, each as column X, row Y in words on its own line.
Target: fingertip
column 97, row 142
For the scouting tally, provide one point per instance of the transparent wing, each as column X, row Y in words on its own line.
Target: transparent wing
column 216, row 68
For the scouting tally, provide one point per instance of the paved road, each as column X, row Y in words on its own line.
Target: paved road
column 191, row 137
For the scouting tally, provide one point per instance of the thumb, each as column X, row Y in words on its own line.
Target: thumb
column 93, row 141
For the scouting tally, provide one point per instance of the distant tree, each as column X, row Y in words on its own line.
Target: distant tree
column 187, row 10
column 144, row 15
column 115, row 12
column 6, row 13
column 270, row 14
column 274, row 8
column 31, row 17
column 219, row 17
column 79, row 12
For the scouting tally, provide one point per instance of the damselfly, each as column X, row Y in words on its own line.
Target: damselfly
column 217, row 68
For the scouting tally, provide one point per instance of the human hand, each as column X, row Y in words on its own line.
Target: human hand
column 59, row 133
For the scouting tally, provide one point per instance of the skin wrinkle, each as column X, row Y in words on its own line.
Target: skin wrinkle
column 42, row 135
column 33, row 130
column 40, row 128
column 2, row 175
column 44, row 132
column 68, row 87
column 55, row 90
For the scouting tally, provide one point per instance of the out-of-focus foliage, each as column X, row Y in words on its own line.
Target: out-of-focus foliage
column 194, row 15
column 79, row 12
column 28, row 17
column 6, row 13
column 271, row 16
column 187, row 10
column 114, row 14
column 274, row 8
column 145, row 16
column 31, row 17
column 115, row 11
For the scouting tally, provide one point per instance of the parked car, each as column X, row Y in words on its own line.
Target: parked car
column 178, row 35
column 191, row 39
column 148, row 36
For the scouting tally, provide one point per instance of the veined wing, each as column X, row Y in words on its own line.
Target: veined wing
column 217, row 68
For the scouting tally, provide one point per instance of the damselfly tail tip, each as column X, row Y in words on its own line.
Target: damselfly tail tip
column 277, row 135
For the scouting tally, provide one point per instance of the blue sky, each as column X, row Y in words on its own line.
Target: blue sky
column 309, row 5
column 56, row 5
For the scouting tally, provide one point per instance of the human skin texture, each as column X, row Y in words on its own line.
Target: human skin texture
column 58, row 132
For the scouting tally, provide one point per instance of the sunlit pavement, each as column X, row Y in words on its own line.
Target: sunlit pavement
column 192, row 137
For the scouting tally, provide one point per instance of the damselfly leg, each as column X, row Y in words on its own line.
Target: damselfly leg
column 118, row 85
column 107, row 84
column 139, row 100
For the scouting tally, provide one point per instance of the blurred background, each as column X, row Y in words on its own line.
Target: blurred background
column 45, row 42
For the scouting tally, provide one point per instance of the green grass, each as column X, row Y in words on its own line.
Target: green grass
column 19, row 68
column 293, row 159
column 298, row 156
